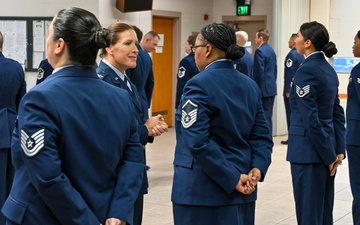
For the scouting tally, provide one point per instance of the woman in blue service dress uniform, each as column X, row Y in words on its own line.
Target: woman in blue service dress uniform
column 76, row 153
column 317, row 132
column 116, row 58
column 223, row 143
column 353, row 130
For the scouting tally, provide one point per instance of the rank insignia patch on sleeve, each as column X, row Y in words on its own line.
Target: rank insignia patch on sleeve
column 301, row 92
column 181, row 72
column 289, row 63
column 31, row 145
column 40, row 73
column 189, row 114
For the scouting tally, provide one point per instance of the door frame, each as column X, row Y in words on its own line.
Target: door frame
column 176, row 16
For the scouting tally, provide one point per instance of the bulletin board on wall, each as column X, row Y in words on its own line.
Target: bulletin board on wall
column 25, row 39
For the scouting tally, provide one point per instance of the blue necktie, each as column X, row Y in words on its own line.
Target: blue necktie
column 126, row 79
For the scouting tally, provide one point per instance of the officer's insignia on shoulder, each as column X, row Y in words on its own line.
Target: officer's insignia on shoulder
column 189, row 114
column 358, row 80
column 40, row 73
column 181, row 72
column 289, row 63
column 31, row 145
column 100, row 76
column 301, row 92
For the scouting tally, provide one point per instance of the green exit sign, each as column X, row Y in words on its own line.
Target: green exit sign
column 243, row 10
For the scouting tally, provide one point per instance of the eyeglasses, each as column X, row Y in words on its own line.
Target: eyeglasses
column 193, row 48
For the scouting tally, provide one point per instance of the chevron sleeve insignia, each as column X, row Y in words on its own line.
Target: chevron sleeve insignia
column 301, row 92
column 32, row 144
column 189, row 114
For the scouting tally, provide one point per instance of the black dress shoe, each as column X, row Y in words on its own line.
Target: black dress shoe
column 284, row 142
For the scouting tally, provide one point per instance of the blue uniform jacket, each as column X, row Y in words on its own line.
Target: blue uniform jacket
column 187, row 69
column 317, row 132
column 353, row 108
column 221, row 132
column 265, row 70
column 108, row 75
column 292, row 62
column 142, row 77
column 245, row 64
column 12, row 89
column 76, row 153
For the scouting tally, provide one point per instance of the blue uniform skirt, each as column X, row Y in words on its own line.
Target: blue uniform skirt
column 241, row 214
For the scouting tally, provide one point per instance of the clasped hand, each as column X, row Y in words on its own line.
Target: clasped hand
column 247, row 182
column 156, row 125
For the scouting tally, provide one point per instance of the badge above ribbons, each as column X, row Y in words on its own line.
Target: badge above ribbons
column 189, row 114
column 31, row 145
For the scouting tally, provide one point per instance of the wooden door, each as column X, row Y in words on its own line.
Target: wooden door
column 162, row 66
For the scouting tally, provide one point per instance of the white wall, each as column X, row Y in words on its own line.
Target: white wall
column 192, row 19
column 341, row 21
column 44, row 7
column 258, row 7
column 343, row 26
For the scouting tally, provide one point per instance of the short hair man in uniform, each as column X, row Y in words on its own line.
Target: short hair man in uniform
column 245, row 63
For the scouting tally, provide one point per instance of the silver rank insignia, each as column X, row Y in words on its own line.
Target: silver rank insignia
column 189, row 114
column 40, row 73
column 181, row 72
column 100, row 76
column 301, row 92
column 289, row 63
column 31, row 145
column 358, row 80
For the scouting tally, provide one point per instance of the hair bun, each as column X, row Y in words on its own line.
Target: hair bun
column 330, row 49
column 235, row 52
column 102, row 38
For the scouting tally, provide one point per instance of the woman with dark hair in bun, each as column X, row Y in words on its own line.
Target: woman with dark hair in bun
column 75, row 163
column 223, row 143
column 317, row 132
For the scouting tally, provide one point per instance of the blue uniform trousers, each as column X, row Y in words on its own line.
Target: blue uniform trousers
column 268, row 104
column 6, row 177
column 287, row 111
column 313, row 186
column 138, row 209
column 239, row 214
column 353, row 153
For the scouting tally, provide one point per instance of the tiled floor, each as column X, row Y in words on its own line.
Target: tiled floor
column 275, row 204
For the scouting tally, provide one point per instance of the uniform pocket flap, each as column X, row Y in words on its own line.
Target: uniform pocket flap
column 14, row 210
column 353, row 116
column 297, row 130
column 183, row 160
